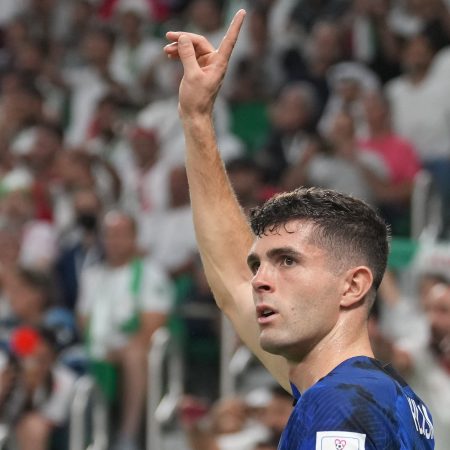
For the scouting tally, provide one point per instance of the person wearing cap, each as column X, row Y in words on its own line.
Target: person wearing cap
column 348, row 82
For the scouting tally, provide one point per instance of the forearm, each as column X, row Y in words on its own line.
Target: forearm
column 223, row 233
column 149, row 323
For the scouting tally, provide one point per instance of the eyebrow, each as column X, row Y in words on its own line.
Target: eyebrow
column 284, row 251
column 252, row 258
column 274, row 253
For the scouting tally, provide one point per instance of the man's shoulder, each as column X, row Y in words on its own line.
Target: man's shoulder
column 95, row 270
column 360, row 370
column 397, row 86
column 358, row 400
column 365, row 395
column 359, row 380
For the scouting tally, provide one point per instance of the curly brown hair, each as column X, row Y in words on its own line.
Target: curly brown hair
column 349, row 229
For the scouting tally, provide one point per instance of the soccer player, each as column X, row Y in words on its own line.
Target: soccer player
column 298, row 284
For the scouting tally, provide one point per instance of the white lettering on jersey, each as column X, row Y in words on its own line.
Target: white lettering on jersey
column 340, row 440
column 421, row 419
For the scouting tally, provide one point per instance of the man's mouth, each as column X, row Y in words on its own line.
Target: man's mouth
column 264, row 314
column 267, row 313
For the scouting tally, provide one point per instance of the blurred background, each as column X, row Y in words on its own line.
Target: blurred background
column 109, row 335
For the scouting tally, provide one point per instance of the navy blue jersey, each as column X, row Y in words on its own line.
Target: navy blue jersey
column 360, row 405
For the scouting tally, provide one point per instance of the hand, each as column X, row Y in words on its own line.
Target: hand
column 204, row 67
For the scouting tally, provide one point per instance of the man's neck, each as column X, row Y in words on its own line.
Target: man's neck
column 418, row 77
column 120, row 262
column 325, row 357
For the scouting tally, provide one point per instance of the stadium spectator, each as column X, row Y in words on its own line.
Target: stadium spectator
column 143, row 173
column 323, row 48
column 206, row 17
column 256, row 73
column 340, row 164
column 137, row 59
column 421, row 352
column 162, row 117
column 31, row 298
column 247, row 180
column 420, row 111
column 38, row 241
column 80, row 245
column 160, row 232
column 106, row 132
column 421, row 16
column 306, row 13
column 399, row 157
column 88, row 83
column 35, row 401
column 369, row 40
column 241, row 423
column 348, row 82
column 122, row 302
column 292, row 117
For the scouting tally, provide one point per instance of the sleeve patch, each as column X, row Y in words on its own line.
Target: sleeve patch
column 340, row 440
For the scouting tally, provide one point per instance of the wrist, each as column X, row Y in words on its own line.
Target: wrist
column 196, row 120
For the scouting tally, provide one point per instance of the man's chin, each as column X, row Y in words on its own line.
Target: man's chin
column 270, row 346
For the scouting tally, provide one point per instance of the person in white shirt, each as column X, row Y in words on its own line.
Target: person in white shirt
column 136, row 59
column 89, row 83
column 160, row 233
column 122, row 302
column 420, row 103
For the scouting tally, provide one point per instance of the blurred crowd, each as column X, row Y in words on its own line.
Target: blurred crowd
column 97, row 246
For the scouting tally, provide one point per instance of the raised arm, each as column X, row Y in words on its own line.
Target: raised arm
column 223, row 234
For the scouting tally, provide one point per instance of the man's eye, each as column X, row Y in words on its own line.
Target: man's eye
column 288, row 261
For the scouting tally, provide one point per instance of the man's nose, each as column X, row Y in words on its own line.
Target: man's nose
column 262, row 281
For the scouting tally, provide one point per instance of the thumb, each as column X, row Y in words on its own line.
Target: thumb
column 186, row 52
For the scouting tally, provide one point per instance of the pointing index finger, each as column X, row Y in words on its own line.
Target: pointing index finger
column 230, row 38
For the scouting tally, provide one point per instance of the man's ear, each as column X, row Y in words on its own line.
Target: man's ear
column 357, row 283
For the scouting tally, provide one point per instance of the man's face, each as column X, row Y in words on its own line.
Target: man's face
column 37, row 367
column 417, row 55
column 119, row 239
column 96, row 47
column 296, row 290
column 26, row 301
column 290, row 112
column 375, row 109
